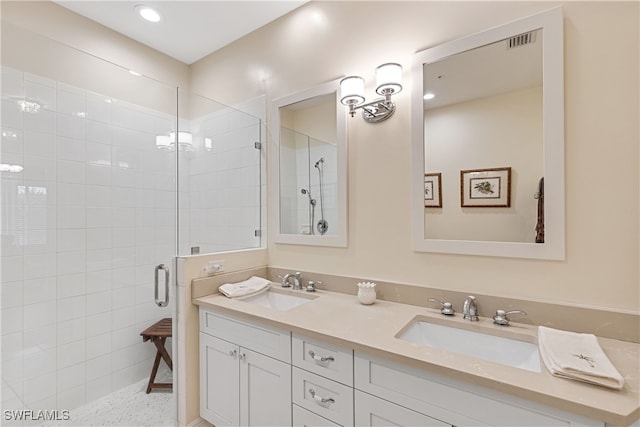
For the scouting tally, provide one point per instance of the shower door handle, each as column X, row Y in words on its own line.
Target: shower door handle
column 159, row 302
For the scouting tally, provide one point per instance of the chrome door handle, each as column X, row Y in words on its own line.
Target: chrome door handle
column 166, row 286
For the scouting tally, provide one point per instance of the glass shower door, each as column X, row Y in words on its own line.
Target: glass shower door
column 89, row 209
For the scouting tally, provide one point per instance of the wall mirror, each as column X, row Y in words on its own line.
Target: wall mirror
column 488, row 142
column 310, row 167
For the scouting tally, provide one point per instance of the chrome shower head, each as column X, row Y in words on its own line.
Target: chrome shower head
column 319, row 161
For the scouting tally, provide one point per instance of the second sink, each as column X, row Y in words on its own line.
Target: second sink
column 506, row 351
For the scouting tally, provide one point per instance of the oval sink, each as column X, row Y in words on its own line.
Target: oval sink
column 506, row 351
column 280, row 301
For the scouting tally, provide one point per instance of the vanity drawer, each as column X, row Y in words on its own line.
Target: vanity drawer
column 304, row 418
column 268, row 341
column 323, row 359
column 322, row 396
column 372, row 411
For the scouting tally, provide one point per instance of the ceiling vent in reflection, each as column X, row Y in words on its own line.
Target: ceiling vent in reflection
column 521, row 40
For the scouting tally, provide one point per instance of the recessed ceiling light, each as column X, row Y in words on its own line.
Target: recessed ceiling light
column 148, row 13
column 134, row 73
column 429, row 95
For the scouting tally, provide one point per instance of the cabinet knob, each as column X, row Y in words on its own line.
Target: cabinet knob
column 320, row 400
column 233, row 353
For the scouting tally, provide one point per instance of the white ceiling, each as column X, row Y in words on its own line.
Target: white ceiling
column 189, row 30
column 485, row 71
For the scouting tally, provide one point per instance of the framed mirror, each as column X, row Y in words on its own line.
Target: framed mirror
column 488, row 142
column 310, row 169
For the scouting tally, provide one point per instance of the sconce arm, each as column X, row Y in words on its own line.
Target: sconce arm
column 375, row 111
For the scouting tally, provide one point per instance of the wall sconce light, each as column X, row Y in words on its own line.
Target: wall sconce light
column 388, row 82
column 168, row 142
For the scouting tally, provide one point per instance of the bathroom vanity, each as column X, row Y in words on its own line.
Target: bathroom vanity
column 328, row 360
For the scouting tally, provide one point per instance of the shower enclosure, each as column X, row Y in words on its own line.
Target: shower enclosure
column 105, row 175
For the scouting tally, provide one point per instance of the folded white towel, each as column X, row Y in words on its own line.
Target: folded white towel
column 577, row 356
column 251, row 286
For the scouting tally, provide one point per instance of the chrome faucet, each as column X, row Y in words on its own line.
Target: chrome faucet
column 297, row 281
column 470, row 309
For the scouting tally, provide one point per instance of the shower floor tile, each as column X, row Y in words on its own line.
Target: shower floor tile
column 127, row 407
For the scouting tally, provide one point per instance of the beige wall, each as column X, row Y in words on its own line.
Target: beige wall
column 324, row 40
column 504, row 130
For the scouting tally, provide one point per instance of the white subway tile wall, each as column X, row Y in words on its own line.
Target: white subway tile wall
column 86, row 221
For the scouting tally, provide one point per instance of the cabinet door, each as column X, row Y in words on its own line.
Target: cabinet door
column 265, row 390
column 219, row 381
column 372, row 411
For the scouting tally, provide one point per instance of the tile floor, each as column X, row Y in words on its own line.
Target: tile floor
column 128, row 407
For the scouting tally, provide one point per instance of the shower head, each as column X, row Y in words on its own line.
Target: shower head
column 319, row 161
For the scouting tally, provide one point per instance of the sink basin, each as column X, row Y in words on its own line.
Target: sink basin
column 280, row 301
column 506, row 351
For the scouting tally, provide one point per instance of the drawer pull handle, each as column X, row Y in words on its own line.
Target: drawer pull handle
column 320, row 358
column 319, row 399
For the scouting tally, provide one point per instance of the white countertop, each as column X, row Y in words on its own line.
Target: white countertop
column 340, row 319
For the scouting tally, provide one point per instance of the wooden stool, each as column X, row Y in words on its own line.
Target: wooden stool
column 158, row 334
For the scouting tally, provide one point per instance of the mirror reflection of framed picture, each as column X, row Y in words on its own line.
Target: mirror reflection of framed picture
column 483, row 188
column 433, row 190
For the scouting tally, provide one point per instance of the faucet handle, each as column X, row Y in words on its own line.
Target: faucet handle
column 501, row 318
column 284, row 280
column 447, row 308
column 311, row 285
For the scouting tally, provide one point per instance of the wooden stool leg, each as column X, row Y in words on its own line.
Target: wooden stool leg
column 163, row 351
column 154, row 371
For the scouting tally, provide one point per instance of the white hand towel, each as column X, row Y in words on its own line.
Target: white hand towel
column 577, row 356
column 253, row 285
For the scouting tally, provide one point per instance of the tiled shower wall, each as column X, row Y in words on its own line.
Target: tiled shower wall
column 88, row 218
column 83, row 225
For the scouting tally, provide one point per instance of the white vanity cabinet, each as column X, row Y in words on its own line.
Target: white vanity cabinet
column 444, row 400
column 253, row 375
column 245, row 373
